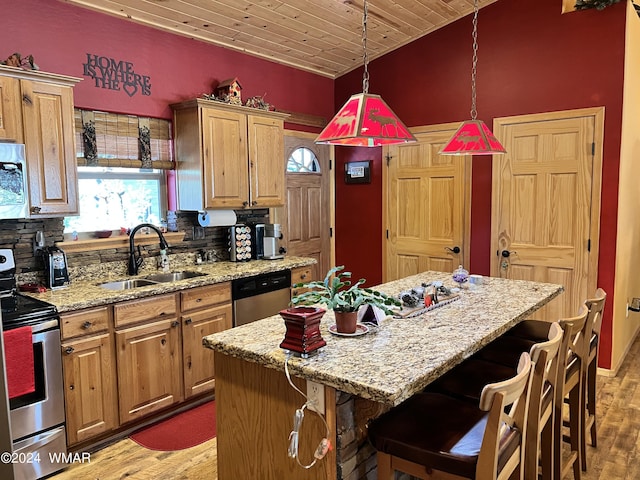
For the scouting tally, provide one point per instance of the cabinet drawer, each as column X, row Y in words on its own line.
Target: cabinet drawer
column 151, row 308
column 84, row 322
column 205, row 296
column 301, row 275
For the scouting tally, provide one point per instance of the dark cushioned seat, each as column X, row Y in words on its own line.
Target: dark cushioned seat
column 439, row 432
column 506, row 350
column 466, row 381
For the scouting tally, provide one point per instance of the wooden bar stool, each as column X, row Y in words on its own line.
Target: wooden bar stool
column 596, row 307
column 431, row 432
column 571, row 369
column 463, row 381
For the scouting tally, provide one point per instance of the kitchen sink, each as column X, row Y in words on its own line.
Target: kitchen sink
column 173, row 276
column 128, row 284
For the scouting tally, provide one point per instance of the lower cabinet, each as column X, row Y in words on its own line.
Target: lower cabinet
column 89, row 375
column 126, row 361
column 148, row 366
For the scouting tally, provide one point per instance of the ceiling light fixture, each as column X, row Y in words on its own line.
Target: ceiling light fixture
column 473, row 136
column 365, row 120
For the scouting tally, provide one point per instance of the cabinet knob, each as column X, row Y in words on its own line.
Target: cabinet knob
column 188, row 321
column 255, row 202
column 69, row 350
column 245, row 203
column 35, row 209
column 303, row 276
column 27, row 99
column 174, row 324
column 71, row 387
column 86, row 325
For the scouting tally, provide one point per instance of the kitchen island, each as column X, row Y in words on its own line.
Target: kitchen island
column 379, row 369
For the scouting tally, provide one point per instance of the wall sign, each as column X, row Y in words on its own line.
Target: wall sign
column 117, row 75
column 357, row 172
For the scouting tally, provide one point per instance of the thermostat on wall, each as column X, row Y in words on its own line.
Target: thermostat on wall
column 357, row 172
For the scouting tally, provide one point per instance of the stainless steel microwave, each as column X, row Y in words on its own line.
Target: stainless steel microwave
column 14, row 198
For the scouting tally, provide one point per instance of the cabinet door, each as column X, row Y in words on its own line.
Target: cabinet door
column 148, row 368
column 266, row 161
column 89, row 387
column 10, row 113
column 224, row 151
column 198, row 360
column 47, row 111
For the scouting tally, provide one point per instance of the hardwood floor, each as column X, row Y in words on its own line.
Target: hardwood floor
column 616, row 458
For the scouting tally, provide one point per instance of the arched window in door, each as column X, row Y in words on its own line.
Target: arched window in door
column 303, row 160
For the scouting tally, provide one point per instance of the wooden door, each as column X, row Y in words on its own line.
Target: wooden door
column 149, row 368
column 10, row 113
column 546, row 203
column 266, row 161
column 307, row 216
column 50, row 148
column 198, row 361
column 224, row 151
column 427, row 198
column 90, row 387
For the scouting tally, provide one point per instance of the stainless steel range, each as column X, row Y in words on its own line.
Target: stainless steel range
column 36, row 415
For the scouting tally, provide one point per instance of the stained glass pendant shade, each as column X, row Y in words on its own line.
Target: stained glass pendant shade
column 365, row 120
column 473, row 137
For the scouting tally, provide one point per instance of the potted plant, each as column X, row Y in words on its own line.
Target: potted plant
column 338, row 294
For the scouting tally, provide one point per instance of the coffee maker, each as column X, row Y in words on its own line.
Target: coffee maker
column 55, row 267
column 272, row 236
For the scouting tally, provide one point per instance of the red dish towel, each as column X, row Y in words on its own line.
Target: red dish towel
column 18, row 357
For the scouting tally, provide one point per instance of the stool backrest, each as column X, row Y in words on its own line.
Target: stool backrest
column 545, row 358
column 507, row 404
column 596, row 307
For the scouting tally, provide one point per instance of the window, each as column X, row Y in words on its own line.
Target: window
column 111, row 198
column 303, row 160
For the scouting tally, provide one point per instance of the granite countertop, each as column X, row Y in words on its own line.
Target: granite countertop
column 401, row 356
column 85, row 292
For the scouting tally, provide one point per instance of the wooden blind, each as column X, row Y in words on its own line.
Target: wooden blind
column 117, row 140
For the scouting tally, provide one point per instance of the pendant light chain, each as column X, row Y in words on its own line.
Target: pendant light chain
column 365, row 57
column 474, row 62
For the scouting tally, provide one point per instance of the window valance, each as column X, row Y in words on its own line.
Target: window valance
column 115, row 140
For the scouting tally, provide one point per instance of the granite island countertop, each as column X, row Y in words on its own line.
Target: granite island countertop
column 86, row 292
column 401, row 356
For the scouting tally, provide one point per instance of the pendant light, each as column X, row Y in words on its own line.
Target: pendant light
column 473, row 137
column 365, row 120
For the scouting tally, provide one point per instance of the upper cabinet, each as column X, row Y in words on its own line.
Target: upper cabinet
column 228, row 156
column 37, row 110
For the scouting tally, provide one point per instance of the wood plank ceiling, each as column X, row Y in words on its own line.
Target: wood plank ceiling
column 320, row 36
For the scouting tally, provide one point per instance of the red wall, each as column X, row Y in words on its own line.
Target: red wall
column 531, row 59
column 60, row 36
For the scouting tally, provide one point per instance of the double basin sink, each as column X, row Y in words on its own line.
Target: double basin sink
column 152, row 279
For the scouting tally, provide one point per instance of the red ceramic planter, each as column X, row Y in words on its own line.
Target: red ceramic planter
column 303, row 329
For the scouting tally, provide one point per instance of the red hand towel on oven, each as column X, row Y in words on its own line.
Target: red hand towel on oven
column 18, row 358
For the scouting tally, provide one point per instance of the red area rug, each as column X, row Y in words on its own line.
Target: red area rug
column 184, row 430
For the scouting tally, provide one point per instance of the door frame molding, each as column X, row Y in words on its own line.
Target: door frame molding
column 596, row 176
column 467, row 165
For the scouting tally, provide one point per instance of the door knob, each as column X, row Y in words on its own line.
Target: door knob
column 507, row 253
column 455, row 249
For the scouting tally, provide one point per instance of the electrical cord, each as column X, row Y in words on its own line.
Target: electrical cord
column 324, row 446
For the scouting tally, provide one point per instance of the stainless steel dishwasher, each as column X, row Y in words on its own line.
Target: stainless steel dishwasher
column 260, row 296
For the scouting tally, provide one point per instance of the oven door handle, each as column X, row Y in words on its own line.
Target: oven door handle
column 41, row 439
column 46, row 325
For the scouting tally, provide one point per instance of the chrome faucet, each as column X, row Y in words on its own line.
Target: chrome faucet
column 135, row 261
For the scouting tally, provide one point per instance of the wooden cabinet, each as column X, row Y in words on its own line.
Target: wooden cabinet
column 89, row 374
column 37, row 110
column 228, row 156
column 205, row 311
column 148, row 356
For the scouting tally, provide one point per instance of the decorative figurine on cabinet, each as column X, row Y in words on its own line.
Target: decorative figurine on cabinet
column 229, row 90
